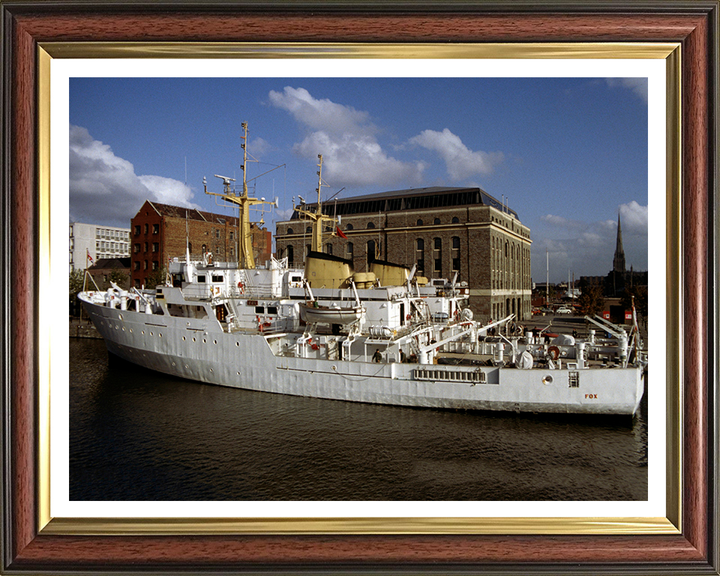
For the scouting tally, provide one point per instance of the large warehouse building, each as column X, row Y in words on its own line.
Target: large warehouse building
column 439, row 230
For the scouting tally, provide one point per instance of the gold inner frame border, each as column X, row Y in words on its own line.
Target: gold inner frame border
column 671, row 524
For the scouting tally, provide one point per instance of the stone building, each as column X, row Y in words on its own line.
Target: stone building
column 159, row 232
column 439, row 230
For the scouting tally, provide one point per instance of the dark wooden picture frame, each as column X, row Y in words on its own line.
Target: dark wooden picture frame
column 26, row 25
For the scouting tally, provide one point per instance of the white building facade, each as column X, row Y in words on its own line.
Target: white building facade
column 98, row 241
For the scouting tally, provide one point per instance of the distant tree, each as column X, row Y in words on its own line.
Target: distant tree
column 640, row 295
column 591, row 300
column 76, row 282
column 118, row 277
column 156, row 277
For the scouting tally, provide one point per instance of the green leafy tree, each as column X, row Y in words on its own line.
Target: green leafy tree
column 640, row 294
column 591, row 301
column 118, row 277
column 156, row 277
column 76, row 286
column 76, row 282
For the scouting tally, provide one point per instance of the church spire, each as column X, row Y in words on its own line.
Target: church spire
column 619, row 259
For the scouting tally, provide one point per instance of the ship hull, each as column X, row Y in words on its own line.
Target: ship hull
column 200, row 350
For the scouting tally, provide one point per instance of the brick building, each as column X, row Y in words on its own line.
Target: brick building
column 441, row 231
column 158, row 233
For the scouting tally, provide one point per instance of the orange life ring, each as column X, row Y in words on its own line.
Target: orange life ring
column 554, row 352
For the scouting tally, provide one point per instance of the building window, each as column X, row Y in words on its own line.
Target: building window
column 437, row 255
column 154, row 265
column 137, row 264
column 371, row 251
column 456, row 254
column 349, row 227
column 156, row 247
column 328, row 249
column 290, row 231
column 290, row 255
column 217, row 233
column 146, row 228
column 137, row 230
column 420, row 254
column 456, row 220
column 137, row 248
column 419, row 222
column 232, row 235
column 349, row 250
column 146, row 246
column 308, row 229
column 145, row 265
column 156, row 228
column 371, row 225
column 436, row 221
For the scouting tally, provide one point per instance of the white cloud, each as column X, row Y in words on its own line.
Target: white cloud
column 634, row 218
column 104, row 188
column 638, row 86
column 461, row 162
column 347, row 139
column 321, row 114
column 259, row 147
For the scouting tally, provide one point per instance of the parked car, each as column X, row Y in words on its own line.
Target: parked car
column 563, row 310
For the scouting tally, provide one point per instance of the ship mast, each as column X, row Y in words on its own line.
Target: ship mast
column 243, row 203
column 317, row 217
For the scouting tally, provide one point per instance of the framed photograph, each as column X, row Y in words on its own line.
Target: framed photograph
column 670, row 526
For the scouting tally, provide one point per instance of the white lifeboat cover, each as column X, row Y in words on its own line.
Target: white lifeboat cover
column 564, row 340
column 525, row 361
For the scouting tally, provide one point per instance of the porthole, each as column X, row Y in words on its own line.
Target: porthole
column 547, row 380
column 184, row 338
column 160, row 335
column 215, row 342
column 120, row 316
column 237, row 344
column 204, row 340
column 143, row 332
column 194, row 340
column 151, row 334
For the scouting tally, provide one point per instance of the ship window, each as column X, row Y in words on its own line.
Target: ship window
column 574, row 379
column 259, row 309
column 272, row 310
column 201, row 279
column 296, row 279
column 217, row 278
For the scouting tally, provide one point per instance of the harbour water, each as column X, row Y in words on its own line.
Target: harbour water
column 140, row 435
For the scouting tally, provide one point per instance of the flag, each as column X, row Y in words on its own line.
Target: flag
column 340, row 233
column 90, row 258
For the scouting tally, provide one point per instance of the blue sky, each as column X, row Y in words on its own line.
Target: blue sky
column 567, row 153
